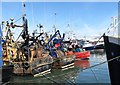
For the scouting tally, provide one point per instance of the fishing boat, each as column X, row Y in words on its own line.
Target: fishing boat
column 112, row 47
column 6, row 73
column 63, row 61
column 94, row 45
column 76, row 51
column 26, row 56
column 55, row 47
column 88, row 46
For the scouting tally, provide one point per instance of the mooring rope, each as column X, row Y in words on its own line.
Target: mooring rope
column 51, row 79
column 102, row 63
column 70, row 82
column 99, row 39
column 95, row 75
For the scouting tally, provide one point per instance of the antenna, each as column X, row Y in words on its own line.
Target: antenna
column 23, row 8
column 54, row 22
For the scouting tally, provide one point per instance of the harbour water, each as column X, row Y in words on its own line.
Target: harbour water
column 76, row 75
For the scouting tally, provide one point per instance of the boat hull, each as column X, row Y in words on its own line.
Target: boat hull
column 7, row 72
column 63, row 64
column 85, row 54
column 82, row 55
column 100, row 46
column 112, row 47
column 89, row 48
column 36, row 68
column 41, row 70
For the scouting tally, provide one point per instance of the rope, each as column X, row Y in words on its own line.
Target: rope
column 72, row 83
column 107, row 31
column 102, row 63
column 95, row 76
column 17, row 20
column 99, row 39
column 51, row 79
column 19, row 35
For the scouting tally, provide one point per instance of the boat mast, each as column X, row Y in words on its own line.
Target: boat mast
column 40, row 27
column 25, row 35
column 54, row 22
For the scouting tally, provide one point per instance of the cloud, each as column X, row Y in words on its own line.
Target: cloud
column 87, row 30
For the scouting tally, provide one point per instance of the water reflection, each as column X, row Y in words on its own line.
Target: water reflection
column 57, row 75
column 72, row 75
column 82, row 64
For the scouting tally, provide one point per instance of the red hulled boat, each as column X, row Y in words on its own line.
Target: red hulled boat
column 82, row 55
